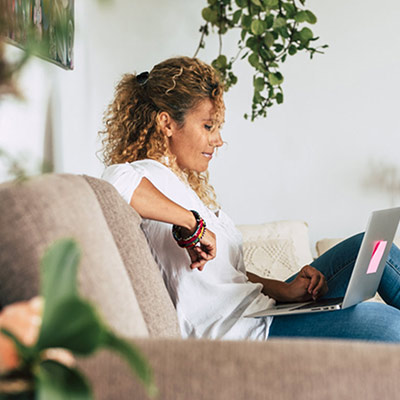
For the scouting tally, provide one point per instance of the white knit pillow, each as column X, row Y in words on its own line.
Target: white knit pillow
column 276, row 249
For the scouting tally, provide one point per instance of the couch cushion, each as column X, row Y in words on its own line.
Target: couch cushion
column 276, row 249
column 151, row 293
column 33, row 215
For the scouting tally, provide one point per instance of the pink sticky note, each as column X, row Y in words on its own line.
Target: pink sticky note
column 376, row 257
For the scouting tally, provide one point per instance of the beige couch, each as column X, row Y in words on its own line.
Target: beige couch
column 119, row 275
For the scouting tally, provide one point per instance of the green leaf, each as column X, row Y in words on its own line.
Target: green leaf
column 258, row 27
column 221, row 62
column 271, row 92
column 269, row 20
column 236, row 16
column 275, row 78
column 241, row 3
column 134, row 358
column 305, row 35
column 212, row 2
column 233, row 78
column 246, row 21
column 311, row 18
column 257, row 3
column 253, row 44
column 257, row 98
column 58, row 273
column 210, row 15
column 269, row 39
column 284, row 32
column 223, row 28
column 290, row 9
column 301, row 16
column 253, row 60
column 279, row 98
column 292, row 49
column 259, row 84
column 55, row 381
column 73, row 325
column 271, row 3
column 279, row 22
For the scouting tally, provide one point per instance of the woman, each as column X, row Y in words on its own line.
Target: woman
column 161, row 132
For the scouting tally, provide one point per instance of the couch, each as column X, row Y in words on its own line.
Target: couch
column 118, row 274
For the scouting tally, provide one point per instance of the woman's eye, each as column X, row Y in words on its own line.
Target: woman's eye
column 208, row 127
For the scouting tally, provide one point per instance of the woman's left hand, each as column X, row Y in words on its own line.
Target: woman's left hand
column 308, row 284
column 204, row 252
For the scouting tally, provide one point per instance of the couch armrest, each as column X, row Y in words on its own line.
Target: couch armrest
column 276, row 369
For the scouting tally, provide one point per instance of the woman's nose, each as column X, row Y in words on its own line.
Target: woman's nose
column 216, row 139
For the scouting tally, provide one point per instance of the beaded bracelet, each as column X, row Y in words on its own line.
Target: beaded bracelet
column 195, row 237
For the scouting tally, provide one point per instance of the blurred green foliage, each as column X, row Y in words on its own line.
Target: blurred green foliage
column 72, row 323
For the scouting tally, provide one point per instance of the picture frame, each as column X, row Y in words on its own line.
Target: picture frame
column 46, row 27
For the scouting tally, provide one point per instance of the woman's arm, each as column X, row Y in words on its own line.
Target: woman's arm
column 308, row 284
column 150, row 203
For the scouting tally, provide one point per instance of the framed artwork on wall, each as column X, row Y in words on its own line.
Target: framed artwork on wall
column 45, row 26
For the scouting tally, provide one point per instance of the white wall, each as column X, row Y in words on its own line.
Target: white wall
column 309, row 160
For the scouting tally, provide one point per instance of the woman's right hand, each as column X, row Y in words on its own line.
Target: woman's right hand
column 204, row 252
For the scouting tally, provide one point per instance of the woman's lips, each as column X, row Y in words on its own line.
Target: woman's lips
column 208, row 155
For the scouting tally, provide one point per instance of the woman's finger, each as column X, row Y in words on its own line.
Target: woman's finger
column 310, row 273
column 314, row 282
column 199, row 264
column 198, row 261
column 317, row 281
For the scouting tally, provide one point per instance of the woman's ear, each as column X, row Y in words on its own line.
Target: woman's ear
column 167, row 124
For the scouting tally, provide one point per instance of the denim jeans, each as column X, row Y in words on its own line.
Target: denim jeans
column 365, row 321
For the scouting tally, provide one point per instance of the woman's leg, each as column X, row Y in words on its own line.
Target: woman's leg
column 365, row 321
column 337, row 265
column 368, row 320
column 389, row 287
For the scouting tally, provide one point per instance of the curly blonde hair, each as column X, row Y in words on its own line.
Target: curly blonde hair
column 132, row 130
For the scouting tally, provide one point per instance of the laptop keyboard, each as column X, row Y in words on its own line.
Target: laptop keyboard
column 320, row 303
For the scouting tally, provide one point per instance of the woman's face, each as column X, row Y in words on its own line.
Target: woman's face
column 194, row 143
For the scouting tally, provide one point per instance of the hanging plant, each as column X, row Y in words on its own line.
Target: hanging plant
column 270, row 30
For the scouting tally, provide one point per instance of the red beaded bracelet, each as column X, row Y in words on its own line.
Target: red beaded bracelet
column 195, row 237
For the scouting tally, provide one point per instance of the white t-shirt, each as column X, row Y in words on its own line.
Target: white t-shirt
column 209, row 303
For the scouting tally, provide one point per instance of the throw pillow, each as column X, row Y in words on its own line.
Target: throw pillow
column 276, row 249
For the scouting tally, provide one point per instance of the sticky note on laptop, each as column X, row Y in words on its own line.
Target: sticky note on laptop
column 376, row 257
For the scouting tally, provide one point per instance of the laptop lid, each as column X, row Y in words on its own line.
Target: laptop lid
column 367, row 271
column 371, row 259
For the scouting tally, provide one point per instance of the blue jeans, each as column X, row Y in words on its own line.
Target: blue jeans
column 365, row 321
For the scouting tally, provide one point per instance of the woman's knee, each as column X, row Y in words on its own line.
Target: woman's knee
column 355, row 240
column 378, row 321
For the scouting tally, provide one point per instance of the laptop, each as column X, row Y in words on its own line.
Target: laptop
column 366, row 275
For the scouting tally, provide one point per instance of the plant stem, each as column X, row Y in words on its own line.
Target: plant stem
column 203, row 33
